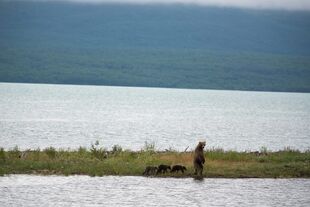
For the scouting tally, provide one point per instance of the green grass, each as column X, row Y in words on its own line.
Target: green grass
column 98, row 161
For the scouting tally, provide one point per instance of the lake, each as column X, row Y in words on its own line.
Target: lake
column 29, row 190
column 69, row 116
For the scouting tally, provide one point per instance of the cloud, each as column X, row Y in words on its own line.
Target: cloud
column 255, row 4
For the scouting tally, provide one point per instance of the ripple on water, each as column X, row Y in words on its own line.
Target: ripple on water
column 28, row 190
column 62, row 116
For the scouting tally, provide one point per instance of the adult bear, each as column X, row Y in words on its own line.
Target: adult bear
column 199, row 158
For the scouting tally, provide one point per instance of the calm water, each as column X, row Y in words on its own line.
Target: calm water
column 25, row 190
column 64, row 116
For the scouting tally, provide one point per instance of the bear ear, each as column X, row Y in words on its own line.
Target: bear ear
column 202, row 143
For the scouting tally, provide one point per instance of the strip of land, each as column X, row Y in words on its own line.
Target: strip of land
column 100, row 162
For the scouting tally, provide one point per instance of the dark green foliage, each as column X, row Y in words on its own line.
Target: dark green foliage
column 155, row 46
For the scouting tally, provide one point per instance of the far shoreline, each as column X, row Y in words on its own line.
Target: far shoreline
column 154, row 87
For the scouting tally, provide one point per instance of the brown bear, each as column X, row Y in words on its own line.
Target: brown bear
column 150, row 170
column 163, row 169
column 199, row 158
column 177, row 168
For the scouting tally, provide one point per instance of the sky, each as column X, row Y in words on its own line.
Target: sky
column 255, row 4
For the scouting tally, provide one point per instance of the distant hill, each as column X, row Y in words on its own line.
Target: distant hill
column 155, row 46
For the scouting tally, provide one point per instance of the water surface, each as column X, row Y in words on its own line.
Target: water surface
column 39, row 115
column 28, row 190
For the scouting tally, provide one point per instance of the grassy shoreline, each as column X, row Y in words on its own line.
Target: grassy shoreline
column 97, row 161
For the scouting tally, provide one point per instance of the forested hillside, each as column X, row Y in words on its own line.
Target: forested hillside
column 155, row 46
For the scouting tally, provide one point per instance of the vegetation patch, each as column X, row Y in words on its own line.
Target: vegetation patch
column 98, row 161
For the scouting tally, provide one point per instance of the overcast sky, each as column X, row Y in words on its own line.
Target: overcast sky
column 263, row 4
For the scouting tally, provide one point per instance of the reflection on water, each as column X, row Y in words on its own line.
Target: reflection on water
column 27, row 190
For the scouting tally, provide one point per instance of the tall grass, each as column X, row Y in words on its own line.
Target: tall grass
column 2, row 155
column 50, row 152
column 149, row 146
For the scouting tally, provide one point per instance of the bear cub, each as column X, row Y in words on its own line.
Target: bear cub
column 177, row 168
column 163, row 169
column 150, row 170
